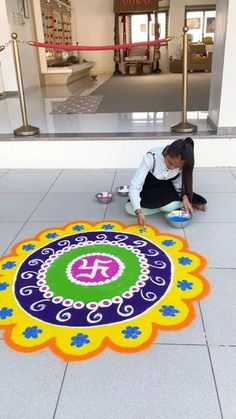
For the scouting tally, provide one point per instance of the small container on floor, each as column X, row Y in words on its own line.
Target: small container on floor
column 178, row 218
column 123, row 190
column 104, row 197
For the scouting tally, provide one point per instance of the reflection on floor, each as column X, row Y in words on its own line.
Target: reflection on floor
column 40, row 103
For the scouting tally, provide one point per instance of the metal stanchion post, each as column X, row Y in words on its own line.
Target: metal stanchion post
column 184, row 126
column 25, row 129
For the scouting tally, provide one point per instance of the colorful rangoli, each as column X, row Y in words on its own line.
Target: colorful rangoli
column 84, row 287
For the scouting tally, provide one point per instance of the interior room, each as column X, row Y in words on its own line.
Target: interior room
column 127, row 90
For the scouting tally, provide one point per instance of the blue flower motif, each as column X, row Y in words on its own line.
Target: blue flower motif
column 8, row 265
column 169, row 311
column 32, row 332
column 185, row 285
column 78, row 228
column 3, row 286
column 185, row 261
column 5, row 312
column 108, row 226
column 131, row 332
column 79, row 340
column 143, row 230
column 51, row 235
column 168, row 243
column 28, row 247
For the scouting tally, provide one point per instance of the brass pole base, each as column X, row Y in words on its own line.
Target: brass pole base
column 26, row 130
column 184, row 127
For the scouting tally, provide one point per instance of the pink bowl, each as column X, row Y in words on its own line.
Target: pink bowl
column 104, row 197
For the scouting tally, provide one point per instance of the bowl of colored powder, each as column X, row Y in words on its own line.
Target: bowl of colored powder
column 178, row 218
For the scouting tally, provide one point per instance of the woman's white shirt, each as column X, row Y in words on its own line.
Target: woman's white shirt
column 161, row 172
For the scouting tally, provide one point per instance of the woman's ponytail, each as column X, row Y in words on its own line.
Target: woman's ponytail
column 189, row 140
column 187, row 176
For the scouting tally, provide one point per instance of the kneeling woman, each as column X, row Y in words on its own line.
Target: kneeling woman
column 164, row 182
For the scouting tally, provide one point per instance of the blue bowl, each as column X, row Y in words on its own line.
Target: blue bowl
column 178, row 218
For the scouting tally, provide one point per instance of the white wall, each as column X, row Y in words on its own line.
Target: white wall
column 1, row 81
column 7, row 64
column 218, row 61
column 176, row 19
column 95, row 26
column 36, row 154
column 227, row 116
column 28, row 54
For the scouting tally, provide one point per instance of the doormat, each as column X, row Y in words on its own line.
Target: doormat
column 79, row 104
column 81, row 288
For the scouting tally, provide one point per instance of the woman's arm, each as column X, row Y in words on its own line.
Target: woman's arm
column 177, row 183
column 137, row 181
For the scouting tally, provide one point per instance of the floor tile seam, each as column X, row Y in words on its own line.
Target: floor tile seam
column 122, row 220
column 13, row 222
column 232, row 173
column 210, row 359
column 24, row 223
column 45, row 194
column 201, row 345
column 60, row 390
column 4, row 174
column 61, row 220
column 22, row 193
column 8, row 249
column 213, row 222
column 112, row 184
column 24, row 171
column 204, row 345
column 215, row 382
column 56, row 220
column 220, row 268
column 55, row 179
column 77, row 192
column 32, row 192
column 179, row 344
column 17, row 192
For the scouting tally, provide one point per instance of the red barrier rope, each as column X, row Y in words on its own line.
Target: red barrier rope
column 99, row 47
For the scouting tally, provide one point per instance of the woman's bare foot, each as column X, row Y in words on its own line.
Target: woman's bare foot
column 201, row 207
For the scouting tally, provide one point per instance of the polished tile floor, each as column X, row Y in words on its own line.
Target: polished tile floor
column 41, row 102
column 190, row 374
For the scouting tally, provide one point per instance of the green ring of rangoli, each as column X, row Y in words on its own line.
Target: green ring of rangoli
column 59, row 284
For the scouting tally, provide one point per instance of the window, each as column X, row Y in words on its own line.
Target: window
column 139, row 26
column 201, row 24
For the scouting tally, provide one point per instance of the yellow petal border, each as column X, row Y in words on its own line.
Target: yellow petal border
column 108, row 336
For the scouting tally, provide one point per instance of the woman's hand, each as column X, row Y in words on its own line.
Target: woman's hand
column 141, row 218
column 187, row 205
